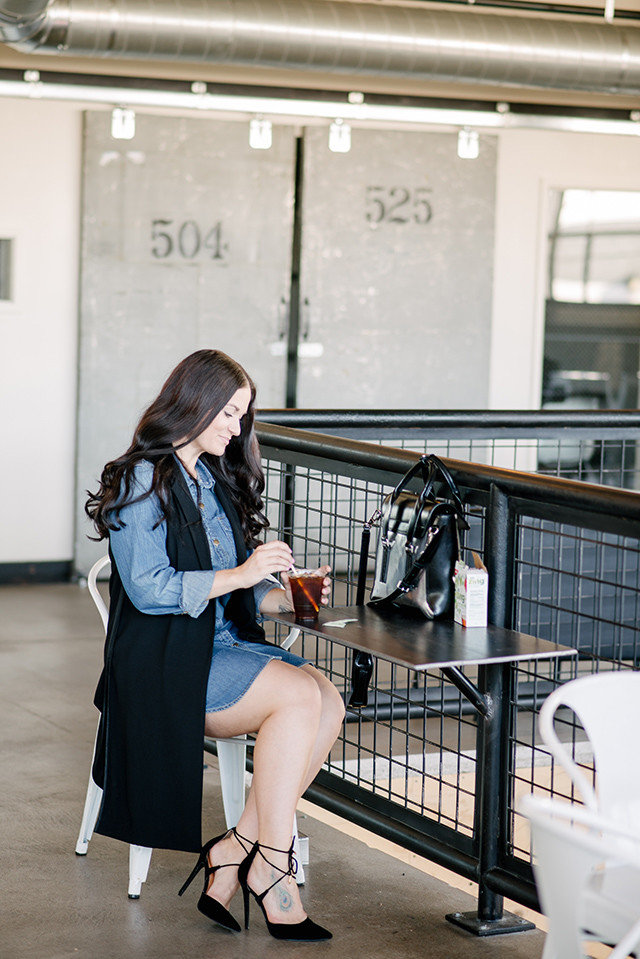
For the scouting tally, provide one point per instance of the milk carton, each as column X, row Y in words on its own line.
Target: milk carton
column 471, row 593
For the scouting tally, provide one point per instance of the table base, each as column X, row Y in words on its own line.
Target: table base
column 508, row 922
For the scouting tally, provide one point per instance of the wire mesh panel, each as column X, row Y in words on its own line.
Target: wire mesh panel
column 586, row 458
column 320, row 515
column 580, row 587
column 413, row 745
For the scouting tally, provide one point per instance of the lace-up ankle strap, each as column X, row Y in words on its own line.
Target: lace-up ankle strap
column 246, row 844
column 291, row 860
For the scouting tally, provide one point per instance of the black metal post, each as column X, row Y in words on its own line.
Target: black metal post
column 499, row 556
column 491, row 680
column 490, row 818
column 492, row 767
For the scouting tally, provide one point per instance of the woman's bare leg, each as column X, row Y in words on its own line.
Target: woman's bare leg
column 298, row 713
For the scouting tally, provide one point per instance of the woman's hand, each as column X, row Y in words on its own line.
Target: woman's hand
column 268, row 558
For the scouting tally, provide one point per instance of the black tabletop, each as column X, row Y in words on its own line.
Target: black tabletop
column 410, row 640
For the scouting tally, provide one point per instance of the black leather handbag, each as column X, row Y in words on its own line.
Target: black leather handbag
column 418, row 541
column 416, row 554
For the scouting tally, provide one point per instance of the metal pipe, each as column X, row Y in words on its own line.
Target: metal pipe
column 21, row 19
column 492, row 759
column 499, row 550
column 323, row 793
column 514, row 887
column 535, row 421
column 325, row 35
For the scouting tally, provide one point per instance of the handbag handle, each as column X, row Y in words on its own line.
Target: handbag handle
column 420, row 466
column 434, row 465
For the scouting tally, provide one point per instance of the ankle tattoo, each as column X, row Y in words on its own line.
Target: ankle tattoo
column 285, row 899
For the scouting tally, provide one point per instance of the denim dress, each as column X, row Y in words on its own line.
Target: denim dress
column 155, row 588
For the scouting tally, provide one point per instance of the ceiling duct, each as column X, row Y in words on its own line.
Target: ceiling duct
column 341, row 37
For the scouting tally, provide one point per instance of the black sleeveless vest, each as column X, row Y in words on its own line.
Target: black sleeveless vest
column 151, row 695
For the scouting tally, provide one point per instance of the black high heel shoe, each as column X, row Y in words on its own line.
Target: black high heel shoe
column 211, row 908
column 305, row 931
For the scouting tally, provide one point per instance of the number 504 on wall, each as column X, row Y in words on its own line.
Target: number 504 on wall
column 186, row 240
column 398, row 204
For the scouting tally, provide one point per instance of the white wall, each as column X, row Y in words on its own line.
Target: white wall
column 39, row 208
column 40, row 163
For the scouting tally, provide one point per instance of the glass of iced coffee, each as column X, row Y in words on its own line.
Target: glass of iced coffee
column 306, row 590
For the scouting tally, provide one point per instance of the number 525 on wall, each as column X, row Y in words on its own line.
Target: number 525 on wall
column 398, row 204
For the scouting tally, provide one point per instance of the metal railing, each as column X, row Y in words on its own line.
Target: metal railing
column 564, row 564
column 592, row 446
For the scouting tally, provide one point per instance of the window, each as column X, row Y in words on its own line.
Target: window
column 592, row 321
column 6, row 269
column 594, row 247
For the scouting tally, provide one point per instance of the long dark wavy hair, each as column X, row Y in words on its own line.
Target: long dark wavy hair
column 195, row 392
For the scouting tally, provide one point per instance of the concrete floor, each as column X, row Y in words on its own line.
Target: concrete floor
column 378, row 901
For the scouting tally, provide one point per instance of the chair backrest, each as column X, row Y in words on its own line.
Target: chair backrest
column 607, row 706
column 92, row 585
column 576, row 854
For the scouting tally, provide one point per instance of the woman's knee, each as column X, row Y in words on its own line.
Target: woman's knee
column 333, row 708
column 297, row 690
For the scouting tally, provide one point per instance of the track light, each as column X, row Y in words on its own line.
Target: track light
column 34, row 84
column 468, row 144
column 123, row 123
column 260, row 134
column 339, row 137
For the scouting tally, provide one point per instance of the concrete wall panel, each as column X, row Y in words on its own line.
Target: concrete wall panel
column 397, row 271
column 186, row 244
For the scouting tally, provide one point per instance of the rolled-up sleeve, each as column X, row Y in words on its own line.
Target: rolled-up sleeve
column 139, row 549
column 265, row 586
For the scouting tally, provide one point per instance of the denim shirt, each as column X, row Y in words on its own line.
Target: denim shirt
column 140, row 553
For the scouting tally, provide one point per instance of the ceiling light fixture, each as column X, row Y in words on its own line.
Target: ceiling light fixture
column 468, row 144
column 123, row 123
column 260, row 134
column 32, row 79
column 339, row 137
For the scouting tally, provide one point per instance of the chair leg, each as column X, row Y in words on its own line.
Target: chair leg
column 232, row 763
column 300, row 851
column 139, row 859
column 89, row 817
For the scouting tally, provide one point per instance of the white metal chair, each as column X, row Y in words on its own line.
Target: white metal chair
column 232, row 756
column 587, row 870
column 607, row 706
